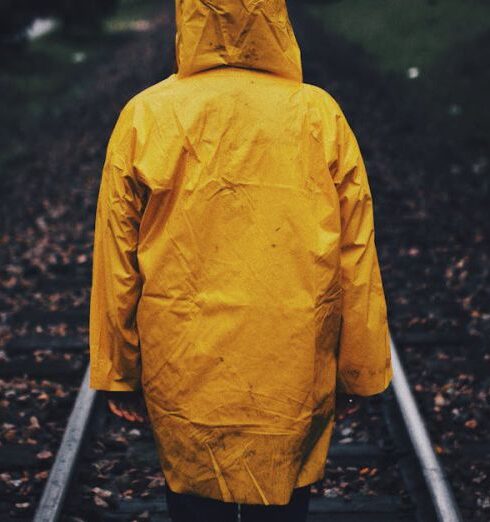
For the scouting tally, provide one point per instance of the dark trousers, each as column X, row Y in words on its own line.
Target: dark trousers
column 183, row 507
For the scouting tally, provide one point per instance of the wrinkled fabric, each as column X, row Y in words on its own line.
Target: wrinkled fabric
column 235, row 273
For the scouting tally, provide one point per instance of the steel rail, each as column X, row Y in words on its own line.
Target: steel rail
column 51, row 503
column 436, row 481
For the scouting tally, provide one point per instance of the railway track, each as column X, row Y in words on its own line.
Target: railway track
column 106, row 469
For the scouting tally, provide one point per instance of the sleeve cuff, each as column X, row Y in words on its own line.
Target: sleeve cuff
column 128, row 385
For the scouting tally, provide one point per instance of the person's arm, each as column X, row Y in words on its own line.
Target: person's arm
column 364, row 358
column 116, row 281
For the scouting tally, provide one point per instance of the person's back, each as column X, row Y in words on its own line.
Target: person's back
column 235, row 272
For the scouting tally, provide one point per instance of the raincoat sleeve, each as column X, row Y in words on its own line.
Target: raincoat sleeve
column 116, row 281
column 364, row 358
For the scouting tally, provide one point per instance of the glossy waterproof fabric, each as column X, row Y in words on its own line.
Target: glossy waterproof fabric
column 235, row 273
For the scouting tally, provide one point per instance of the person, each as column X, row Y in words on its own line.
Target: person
column 236, row 289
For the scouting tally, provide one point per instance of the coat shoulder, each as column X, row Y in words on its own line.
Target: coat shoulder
column 146, row 98
column 331, row 111
column 323, row 98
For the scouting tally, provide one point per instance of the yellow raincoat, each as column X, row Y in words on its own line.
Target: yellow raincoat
column 235, row 274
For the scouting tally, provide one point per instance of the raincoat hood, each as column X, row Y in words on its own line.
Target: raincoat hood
column 254, row 34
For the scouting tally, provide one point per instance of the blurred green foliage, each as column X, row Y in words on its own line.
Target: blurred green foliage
column 399, row 34
column 75, row 17
column 436, row 51
column 43, row 77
